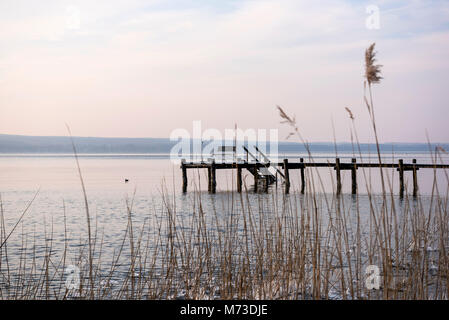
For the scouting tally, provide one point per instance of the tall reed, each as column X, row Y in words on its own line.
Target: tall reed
column 316, row 245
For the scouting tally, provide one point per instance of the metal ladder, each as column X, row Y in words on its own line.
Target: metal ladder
column 261, row 174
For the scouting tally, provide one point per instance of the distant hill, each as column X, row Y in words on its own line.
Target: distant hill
column 49, row 144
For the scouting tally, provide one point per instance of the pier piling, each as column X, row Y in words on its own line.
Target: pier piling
column 337, row 169
column 209, row 181
column 239, row 178
column 401, row 178
column 303, row 180
column 213, row 181
column 415, row 179
column 354, row 175
column 286, row 176
column 184, row 176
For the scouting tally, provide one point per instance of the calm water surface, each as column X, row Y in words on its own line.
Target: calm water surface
column 58, row 212
column 56, row 177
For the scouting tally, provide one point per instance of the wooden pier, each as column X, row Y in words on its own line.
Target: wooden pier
column 259, row 171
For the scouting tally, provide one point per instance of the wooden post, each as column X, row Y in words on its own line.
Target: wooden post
column 337, row 168
column 213, row 177
column 184, row 175
column 239, row 178
column 354, row 175
column 303, row 180
column 256, row 178
column 209, row 179
column 287, row 176
column 401, row 178
column 266, row 184
column 415, row 180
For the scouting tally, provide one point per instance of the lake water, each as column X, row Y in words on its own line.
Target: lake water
column 58, row 211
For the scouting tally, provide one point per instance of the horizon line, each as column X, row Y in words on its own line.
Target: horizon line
column 168, row 138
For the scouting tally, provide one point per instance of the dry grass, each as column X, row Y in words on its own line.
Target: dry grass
column 279, row 247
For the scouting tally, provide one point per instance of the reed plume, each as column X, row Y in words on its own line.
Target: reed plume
column 291, row 121
column 372, row 70
column 351, row 115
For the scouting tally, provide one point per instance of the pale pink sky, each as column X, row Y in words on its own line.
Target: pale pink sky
column 143, row 69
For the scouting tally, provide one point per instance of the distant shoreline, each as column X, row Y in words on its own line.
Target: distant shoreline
column 17, row 144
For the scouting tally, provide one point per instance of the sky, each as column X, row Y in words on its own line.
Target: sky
column 145, row 68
